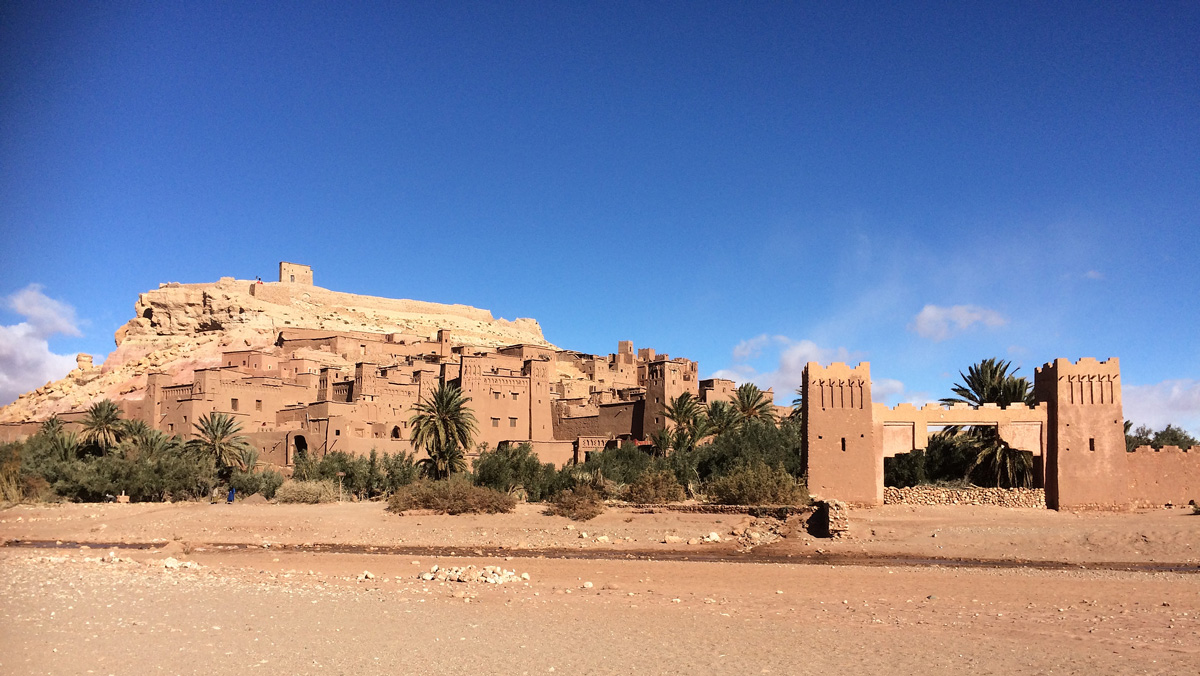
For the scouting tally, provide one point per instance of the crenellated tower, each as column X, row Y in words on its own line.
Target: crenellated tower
column 842, row 461
column 1085, row 450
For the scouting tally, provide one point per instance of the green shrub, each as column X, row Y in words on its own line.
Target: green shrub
column 265, row 482
column 512, row 468
column 451, row 496
column 307, row 492
column 581, row 503
column 757, row 484
column 655, row 488
column 754, row 442
column 904, row 470
column 363, row 477
column 622, row 465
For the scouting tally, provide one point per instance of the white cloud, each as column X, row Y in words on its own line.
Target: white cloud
column 789, row 371
column 939, row 323
column 26, row 361
column 1176, row 402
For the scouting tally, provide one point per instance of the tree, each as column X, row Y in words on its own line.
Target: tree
column 1167, row 436
column 722, row 417
column 752, row 403
column 663, row 440
column 797, row 404
column 52, row 426
column 995, row 462
column 102, row 426
column 989, row 382
column 219, row 436
column 443, row 425
column 691, row 424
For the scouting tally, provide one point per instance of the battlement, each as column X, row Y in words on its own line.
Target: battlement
column 1112, row 365
column 935, row 407
column 839, row 370
column 1168, row 450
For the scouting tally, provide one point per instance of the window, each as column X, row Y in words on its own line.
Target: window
column 233, row 404
column 1092, row 445
column 495, row 422
column 293, row 278
column 170, row 427
column 258, row 404
column 512, row 422
column 495, row 395
column 337, row 433
column 843, row 444
column 514, row 394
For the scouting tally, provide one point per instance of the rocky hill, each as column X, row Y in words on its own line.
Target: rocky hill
column 178, row 328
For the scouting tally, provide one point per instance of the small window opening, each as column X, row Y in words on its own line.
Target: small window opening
column 1092, row 445
column 495, row 422
column 512, row 422
column 233, row 404
column 843, row 444
column 258, row 404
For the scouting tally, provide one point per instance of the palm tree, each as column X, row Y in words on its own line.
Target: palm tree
column 103, row 425
column 443, row 425
column 991, row 382
column 219, row 435
column 752, row 404
column 683, row 410
column 52, row 426
column 663, row 440
column 135, row 429
column 722, row 417
column 798, row 404
column 65, row 445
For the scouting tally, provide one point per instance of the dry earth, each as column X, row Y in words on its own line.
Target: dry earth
column 295, row 610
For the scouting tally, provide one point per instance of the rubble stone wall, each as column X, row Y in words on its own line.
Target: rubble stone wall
column 1027, row 498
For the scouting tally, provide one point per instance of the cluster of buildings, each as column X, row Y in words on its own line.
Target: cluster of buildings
column 565, row 404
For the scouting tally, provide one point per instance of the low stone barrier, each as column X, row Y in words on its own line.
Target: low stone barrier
column 1028, row 498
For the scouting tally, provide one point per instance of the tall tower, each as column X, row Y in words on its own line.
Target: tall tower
column 842, row 460
column 1085, row 449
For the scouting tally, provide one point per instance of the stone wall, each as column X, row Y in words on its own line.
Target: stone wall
column 1029, row 498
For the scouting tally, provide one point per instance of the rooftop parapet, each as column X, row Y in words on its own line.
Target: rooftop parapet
column 1169, row 450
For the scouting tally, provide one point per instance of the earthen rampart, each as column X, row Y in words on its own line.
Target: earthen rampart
column 1158, row 477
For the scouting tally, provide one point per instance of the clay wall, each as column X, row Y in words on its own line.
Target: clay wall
column 1160, row 477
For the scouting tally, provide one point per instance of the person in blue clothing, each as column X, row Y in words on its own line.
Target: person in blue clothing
column 232, row 493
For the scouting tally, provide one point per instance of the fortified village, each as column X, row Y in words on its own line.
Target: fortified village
column 308, row 370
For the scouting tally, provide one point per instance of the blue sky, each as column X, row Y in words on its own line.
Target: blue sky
column 747, row 184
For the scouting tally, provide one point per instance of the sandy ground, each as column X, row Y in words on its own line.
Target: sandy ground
column 285, row 610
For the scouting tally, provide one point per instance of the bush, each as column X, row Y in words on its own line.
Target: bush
column 655, row 488
column 755, row 442
column 365, row 476
column 451, row 496
column 513, row 468
column 581, row 503
column 265, row 482
column 307, row 492
column 904, row 470
column 757, row 484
